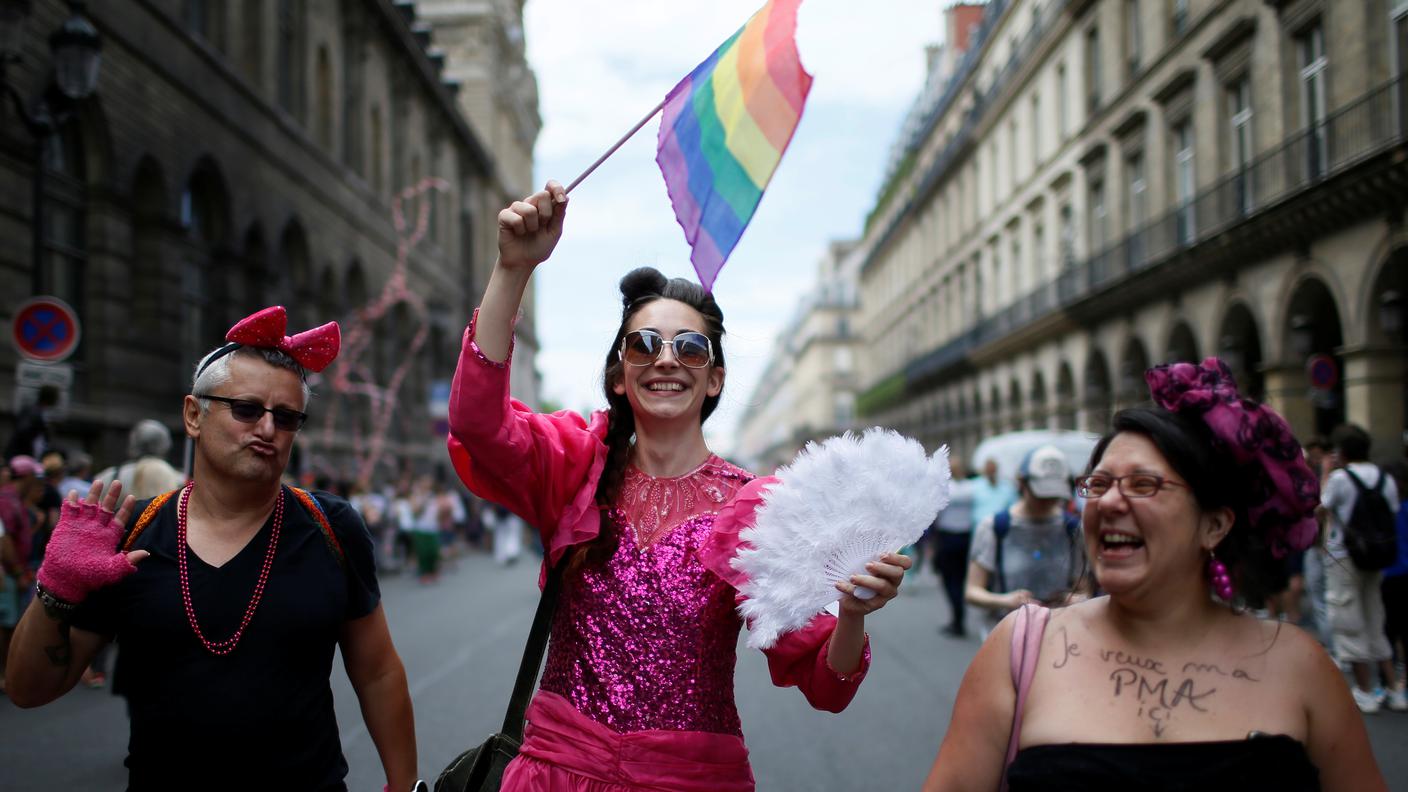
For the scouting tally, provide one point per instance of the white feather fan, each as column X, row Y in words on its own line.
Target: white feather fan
column 838, row 505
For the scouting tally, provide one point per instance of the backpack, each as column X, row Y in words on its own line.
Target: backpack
column 1002, row 525
column 1371, row 533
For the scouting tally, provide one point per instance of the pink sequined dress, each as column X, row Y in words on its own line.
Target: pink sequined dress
column 638, row 689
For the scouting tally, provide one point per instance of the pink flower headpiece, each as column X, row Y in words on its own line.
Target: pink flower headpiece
column 313, row 349
column 1284, row 492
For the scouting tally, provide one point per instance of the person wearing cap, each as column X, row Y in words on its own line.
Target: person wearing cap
column 230, row 596
column 1031, row 551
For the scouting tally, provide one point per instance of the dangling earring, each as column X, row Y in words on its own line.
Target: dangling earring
column 1221, row 581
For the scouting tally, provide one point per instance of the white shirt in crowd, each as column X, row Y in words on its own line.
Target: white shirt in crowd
column 1339, row 497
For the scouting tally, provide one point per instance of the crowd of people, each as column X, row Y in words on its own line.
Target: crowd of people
column 1124, row 598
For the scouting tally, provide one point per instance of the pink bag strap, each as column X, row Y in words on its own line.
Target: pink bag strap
column 1027, row 631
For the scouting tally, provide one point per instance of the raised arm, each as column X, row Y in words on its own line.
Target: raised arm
column 528, row 232
column 47, row 654
column 541, row 467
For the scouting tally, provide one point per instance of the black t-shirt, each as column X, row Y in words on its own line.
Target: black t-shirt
column 260, row 717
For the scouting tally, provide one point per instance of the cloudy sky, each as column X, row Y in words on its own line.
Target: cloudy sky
column 602, row 64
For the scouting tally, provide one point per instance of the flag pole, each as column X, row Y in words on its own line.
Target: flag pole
column 618, row 144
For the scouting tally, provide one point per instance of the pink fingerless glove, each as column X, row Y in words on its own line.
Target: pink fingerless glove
column 82, row 553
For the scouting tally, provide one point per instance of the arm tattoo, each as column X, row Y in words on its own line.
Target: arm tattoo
column 61, row 653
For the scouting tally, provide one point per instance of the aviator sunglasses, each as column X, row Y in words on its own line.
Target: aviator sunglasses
column 643, row 347
column 246, row 411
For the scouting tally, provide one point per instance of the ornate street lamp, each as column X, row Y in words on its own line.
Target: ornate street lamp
column 76, row 51
column 77, row 54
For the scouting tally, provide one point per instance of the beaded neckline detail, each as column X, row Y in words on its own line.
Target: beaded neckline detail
column 655, row 506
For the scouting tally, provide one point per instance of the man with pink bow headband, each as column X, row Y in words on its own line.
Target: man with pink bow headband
column 229, row 595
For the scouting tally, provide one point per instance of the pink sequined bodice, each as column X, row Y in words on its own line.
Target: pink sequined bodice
column 646, row 639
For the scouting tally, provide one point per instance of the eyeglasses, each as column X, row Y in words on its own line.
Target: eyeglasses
column 246, row 411
column 643, row 347
column 1134, row 485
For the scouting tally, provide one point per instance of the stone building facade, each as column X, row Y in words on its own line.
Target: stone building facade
column 1109, row 184
column 808, row 388
column 237, row 155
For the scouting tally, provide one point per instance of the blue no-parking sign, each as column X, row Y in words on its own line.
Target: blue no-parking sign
column 46, row 329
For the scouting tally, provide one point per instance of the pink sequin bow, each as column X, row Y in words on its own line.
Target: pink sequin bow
column 313, row 349
column 1283, row 491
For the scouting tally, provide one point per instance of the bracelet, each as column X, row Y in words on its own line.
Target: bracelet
column 57, row 609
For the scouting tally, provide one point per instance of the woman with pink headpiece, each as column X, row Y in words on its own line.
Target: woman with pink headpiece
column 1165, row 683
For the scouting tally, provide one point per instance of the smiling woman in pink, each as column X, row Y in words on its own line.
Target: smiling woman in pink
column 1164, row 684
column 638, row 689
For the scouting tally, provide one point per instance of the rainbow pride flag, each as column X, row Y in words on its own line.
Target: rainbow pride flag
column 724, row 129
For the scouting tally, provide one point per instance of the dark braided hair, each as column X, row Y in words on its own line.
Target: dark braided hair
column 639, row 288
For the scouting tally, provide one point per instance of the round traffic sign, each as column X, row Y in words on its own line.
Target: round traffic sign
column 46, row 329
column 1322, row 371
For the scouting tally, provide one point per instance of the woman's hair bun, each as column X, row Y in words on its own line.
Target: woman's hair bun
column 641, row 282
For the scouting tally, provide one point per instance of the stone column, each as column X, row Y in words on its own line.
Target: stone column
column 1288, row 393
column 1374, row 395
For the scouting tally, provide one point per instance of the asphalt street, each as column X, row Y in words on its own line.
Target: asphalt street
column 461, row 640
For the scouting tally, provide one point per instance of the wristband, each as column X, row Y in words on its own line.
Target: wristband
column 58, row 609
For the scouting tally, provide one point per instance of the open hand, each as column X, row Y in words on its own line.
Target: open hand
column 884, row 578
column 82, row 553
column 529, row 229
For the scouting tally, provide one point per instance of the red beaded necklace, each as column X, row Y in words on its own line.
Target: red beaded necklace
column 221, row 648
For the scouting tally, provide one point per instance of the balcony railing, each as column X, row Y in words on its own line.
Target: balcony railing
column 1368, row 126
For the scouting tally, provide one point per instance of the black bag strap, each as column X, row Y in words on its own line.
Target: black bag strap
column 1361, row 486
column 533, row 655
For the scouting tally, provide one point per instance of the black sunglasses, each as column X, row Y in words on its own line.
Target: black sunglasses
column 246, row 411
column 643, row 347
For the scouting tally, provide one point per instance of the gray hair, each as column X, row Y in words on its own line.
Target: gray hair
column 148, row 438
column 208, row 378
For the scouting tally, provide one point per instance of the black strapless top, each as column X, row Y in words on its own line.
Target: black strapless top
column 1258, row 762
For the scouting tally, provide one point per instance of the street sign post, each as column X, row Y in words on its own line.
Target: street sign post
column 30, row 377
column 46, row 329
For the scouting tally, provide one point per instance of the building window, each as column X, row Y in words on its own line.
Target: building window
column 1068, row 236
column 1039, row 252
column 202, row 19
column 1093, row 88
column 1184, row 180
column 378, row 158
column 844, row 360
column 290, row 57
column 1137, row 206
column 1063, row 118
column 845, row 410
column 65, row 220
column 1019, row 270
column 1012, row 154
column 1036, row 130
column 1133, row 37
column 252, row 41
column 1310, row 47
column 1180, row 17
column 1099, row 213
column 1239, row 114
column 322, row 120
